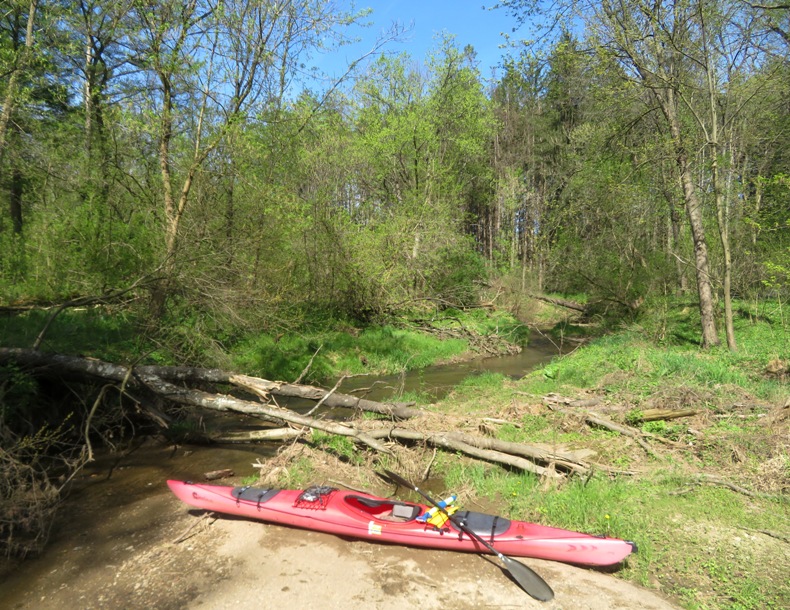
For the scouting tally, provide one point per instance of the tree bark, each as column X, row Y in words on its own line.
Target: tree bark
column 710, row 336
column 11, row 91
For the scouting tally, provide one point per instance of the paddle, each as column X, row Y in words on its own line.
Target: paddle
column 525, row 577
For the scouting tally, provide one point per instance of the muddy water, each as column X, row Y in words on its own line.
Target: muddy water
column 119, row 503
column 436, row 381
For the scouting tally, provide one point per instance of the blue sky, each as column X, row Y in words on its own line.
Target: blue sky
column 466, row 19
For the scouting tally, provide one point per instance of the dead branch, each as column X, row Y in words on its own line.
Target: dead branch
column 556, row 399
column 712, row 479
column 592, row 419
column 663, row 414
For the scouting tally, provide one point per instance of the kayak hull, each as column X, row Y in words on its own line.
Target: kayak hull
column 363, row 516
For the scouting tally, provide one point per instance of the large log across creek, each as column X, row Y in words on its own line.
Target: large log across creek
column 166, row 384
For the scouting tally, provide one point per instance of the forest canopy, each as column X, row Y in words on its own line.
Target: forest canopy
column 184, row 154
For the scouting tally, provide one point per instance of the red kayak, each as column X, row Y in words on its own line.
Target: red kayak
column 368, row 517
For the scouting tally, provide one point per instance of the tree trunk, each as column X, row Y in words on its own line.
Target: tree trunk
column 722, row 213
column 13, row 83
column 693, row 206
column 15, row 198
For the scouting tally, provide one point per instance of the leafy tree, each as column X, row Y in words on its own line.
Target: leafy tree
column 667, row 49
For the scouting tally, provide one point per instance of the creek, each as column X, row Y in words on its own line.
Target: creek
column 435, row 382
column 119, row 502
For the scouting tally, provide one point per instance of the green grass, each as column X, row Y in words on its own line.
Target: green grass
column 378, row 350
column 335, row 349
column 341, row 446
column 484, row 322
column 631, row 361
column 697, row 544
column 89, row 331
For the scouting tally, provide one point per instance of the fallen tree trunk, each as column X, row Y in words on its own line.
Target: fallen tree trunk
column 560, row 302
column 452, row 442
column 541, row 461
column 228, row 403
column 263, row 388
column 76, row 366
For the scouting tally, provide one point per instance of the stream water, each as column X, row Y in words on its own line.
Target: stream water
column 435, row 382
column 117, row 500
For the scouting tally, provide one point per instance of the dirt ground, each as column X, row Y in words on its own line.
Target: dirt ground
column 113, row 553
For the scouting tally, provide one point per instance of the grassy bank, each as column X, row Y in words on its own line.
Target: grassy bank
column 325, row 348
column 707, row 505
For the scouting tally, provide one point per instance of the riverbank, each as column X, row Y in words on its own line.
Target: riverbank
column 704, row 495
column 702, row 488
column 125, row 541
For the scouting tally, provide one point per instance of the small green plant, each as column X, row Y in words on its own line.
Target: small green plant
column 341, row 446
column 662, row 428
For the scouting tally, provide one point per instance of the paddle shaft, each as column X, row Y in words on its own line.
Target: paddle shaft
column 456, row 521
column 526, row 577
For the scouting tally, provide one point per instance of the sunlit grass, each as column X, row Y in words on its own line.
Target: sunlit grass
column 632, row 361
column 697, row 544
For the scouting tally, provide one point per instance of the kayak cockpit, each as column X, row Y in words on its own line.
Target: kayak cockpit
column 387, row 510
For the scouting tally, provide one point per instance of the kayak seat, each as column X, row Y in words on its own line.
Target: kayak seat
column 482, row 524
column 384, row 509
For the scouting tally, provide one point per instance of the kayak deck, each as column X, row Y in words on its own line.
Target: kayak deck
column 369, row 517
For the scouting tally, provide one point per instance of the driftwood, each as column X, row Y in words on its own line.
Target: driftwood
column 663, row 414
column 593, row 419
column 516, row 455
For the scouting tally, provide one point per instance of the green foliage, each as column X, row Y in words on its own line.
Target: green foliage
column 341, row 446
column 372, row 350
column 457, row 275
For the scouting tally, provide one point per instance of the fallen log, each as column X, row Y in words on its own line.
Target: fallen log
column 220, row 402
column 592, row 419
column 263, row 388
column 452, row 442
column 266, row 436
column 560, row 302
column 663, row 414
column 80, row 367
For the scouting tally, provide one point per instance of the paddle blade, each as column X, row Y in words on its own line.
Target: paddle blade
column 527, row 579
column 396, row 478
